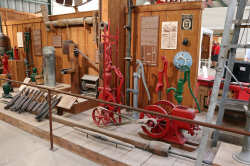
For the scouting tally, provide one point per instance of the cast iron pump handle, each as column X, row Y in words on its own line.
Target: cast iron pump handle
column 140, row 73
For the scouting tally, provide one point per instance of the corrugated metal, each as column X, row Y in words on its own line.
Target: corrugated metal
column 30, row 6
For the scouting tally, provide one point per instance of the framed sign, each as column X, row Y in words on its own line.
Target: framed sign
column 19, row 39
column 169, row 34
column 149, row 39
column 187, row 22
column 57, row 41
column 37, row 42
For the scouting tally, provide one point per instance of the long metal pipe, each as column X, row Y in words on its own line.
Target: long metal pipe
column 50, row 121
column 205, row 124
column 128, row 51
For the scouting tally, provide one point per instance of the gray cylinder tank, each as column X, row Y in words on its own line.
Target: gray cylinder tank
column 49, row 66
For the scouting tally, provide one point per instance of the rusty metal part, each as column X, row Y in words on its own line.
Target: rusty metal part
column 70, row 22
column 209, row 125
column 15, row 98
column 104, row 137
column 31, row 98
column 35, row 102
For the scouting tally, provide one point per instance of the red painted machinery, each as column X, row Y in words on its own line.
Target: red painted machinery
column 164, row 128
column 160, row 83
column 105, row 113
column 5, row 59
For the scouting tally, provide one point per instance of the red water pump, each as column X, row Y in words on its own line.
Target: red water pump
column 106, row 113
column 164, row 128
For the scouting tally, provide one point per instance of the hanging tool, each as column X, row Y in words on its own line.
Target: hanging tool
column 27, row 40
column 183, row 62
column 160, row 83
column 137, row 75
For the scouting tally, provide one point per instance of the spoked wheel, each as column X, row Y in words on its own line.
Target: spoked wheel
column 166, row 105
column 106, row 114
column 100, row 117
column 159, row 129
column 115, row 116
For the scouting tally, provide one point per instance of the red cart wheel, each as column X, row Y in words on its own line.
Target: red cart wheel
column 115, row 116
column 166, row 105
column 106, row 114
column 100, row 117
column 158, row 130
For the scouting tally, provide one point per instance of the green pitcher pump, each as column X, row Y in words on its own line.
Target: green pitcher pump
column 183, row 62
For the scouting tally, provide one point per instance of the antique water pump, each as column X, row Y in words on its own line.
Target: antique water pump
column 183, row 62
column 167, row 129
column 107, row 113
column 137, row 75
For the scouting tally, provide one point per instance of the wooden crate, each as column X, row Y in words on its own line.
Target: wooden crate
column 17, row 71
column 203, row 97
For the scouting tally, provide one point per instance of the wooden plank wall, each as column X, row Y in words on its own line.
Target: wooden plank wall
column 83, row 36
column 169, row 12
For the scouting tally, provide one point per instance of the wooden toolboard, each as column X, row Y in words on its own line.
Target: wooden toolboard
column 170, row 12
column 81, row 35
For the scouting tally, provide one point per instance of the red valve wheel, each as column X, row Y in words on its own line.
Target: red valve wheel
column 158, row 130
column 166, row 105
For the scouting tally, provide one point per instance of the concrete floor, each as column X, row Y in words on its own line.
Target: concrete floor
column 20, row 148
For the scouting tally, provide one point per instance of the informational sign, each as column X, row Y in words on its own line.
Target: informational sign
column 19, row 39
column 57, row 41
column 169, row 35
column 187, row 22
column 149, row 39
column 37, row 42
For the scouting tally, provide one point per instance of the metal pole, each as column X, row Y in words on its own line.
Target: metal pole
column 50, row 121
column 218, row 77
column 239, row 16
column 128, row 51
